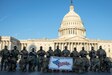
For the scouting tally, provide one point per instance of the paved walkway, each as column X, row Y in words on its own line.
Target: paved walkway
column 38, row 73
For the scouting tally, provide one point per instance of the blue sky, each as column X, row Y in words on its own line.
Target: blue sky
column 26, row 19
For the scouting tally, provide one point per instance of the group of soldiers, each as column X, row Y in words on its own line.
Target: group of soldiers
column 83, row 61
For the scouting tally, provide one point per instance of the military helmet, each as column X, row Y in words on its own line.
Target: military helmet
column 24, row 48
column 50, row 48
column 5, row 47
column 100, row 47
column 92, row 48
column 65, row 47
column 82, row 48
column 15, row 47
column 75, row 48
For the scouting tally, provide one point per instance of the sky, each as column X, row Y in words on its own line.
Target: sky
column 33, row 19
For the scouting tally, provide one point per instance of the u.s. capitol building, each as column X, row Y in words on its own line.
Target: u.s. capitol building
column 72, row 33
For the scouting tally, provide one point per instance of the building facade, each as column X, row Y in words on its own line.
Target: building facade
column 72, row 33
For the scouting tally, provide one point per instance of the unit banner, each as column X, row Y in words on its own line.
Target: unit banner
column 61, row 63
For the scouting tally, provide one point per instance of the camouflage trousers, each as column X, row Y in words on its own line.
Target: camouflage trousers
column 4, row 64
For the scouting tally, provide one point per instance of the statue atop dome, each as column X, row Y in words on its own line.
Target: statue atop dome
column 71, row 2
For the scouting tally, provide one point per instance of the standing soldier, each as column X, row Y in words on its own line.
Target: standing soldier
column 101, row 53
column 48, row 55
column 41, row 53
column 5, row 55
column 32, row 60
column 78, row 65
column 57, row 52
column 74, row 53
column 65, row 52
column 24, row 59
column 13, row 59
column 95, row 64
column 83, row 55
column 92, row 55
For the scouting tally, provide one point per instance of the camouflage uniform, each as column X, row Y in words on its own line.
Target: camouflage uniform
column 65, row 52
column 83, row 55
column 32, row 60
column 45, row 65
column 95, row 64
column 5, row 55
column 101, row 55
column 78, row 65
column 92, row 55
column 49, row 53
column 24, row 60
column 13, row 59
column 41, row 53
column 107, row 64
column 57, row 52
column 74, row 53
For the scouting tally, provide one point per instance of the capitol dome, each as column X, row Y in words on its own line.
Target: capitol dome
column 72, row 25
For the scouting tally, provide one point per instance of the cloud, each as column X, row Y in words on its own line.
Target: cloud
column 3, row 18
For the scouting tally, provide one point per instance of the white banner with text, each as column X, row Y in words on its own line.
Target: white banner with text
column 61, row 63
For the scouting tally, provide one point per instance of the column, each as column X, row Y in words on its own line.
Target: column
column 88, row 46
column 76, row 46
column 4, row 43
column 66, row 31
column 96, row 46
column 72, row 30
column 71, row 46
column 10, row 46
column 0, row 45
column 61, row 46
column 54, row 46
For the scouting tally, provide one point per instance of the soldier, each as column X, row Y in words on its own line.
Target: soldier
column 101, row 53
column 13, row 59
column 5, row 55
column 78, row 65
column 92, row 54
column 107, row 64
column 24, row 60
column 74, row 53
column 49, row 53
column 65, row 52
column 41, row 54
column 83, row 55
column 32, row 60
column 45, row 65
column 95, row 64
column 57, row 52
